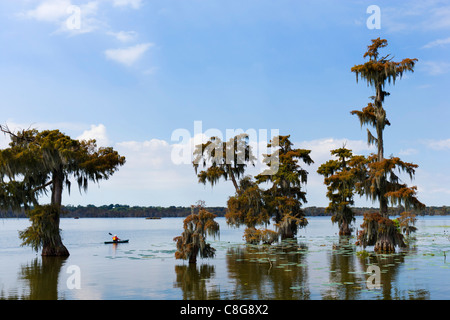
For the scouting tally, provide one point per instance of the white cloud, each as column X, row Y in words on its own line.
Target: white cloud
column 439, row 144
column 60, row 12
column 432, row 186
column 63, row 13
column 128, row 56
column 438, row 42
column 154, row 152
column 124, row 36
column 440, row 18
column 135, row 4
column 150, row 71
column 408, row 152
column 435, row 68
column 150, row 168
column 97, row 132
column 320, row 148
column 416, row 15
column 49, row 11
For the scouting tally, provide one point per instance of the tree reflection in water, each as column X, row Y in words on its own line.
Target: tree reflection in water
column 390, row 265
column 283, row 272
column 349, row 271
column 269, row 272
column 343, row 272
column 41, row 278
column 192, row 280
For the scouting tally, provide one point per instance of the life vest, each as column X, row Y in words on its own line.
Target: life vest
column 115, row 238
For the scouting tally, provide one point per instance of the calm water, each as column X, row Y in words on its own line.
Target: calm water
column 317, row 266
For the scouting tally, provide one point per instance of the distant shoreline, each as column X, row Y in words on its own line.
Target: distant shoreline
column 126, row 211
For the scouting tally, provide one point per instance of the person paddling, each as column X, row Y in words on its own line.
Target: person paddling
column 115, row 238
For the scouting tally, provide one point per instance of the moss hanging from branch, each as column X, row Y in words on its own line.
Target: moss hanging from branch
column 192, row 242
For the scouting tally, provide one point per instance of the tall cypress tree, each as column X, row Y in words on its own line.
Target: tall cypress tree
column 379, row 180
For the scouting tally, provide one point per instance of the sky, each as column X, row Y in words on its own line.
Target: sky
column 134, row 74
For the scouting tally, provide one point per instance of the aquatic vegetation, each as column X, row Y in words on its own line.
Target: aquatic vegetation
column 363, row 254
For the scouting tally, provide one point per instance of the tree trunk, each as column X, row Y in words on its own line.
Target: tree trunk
column 57, row 188
column 383, row 204
column 55, row 247
column 344, row 229
column 193, row 257
column 380, row 124
column 233, row 178
column 289, row 233
column 384, row 244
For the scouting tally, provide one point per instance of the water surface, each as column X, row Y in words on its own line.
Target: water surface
column 319, row 265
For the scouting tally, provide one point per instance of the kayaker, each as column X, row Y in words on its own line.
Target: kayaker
column 115, row 238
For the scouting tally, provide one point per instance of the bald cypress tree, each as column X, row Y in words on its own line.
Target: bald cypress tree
column 340, row 178
column 220, row 159
column 285, row 197
column 192, row 241
column 379, row 178
column 45, row 162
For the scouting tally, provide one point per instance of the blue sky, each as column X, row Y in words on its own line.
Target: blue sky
column 137, row 70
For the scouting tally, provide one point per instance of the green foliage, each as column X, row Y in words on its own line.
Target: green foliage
column 38, row 159
column 340, row 179
column 285, row 197
column 44, row 229
column 378, row 71
column 192, row 241
column 406, row 222
column 257, row 236
column 379, row 180
column 223, row 160
column 37, row 162
column 251, row 205
column 377, row 176
column 381, row 232
column 247, row 206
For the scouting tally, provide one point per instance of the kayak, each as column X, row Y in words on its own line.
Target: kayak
column 119, row 241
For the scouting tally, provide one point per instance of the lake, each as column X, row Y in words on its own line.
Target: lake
column 317, row 266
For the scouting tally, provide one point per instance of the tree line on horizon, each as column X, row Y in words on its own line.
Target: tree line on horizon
column 126, row 211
